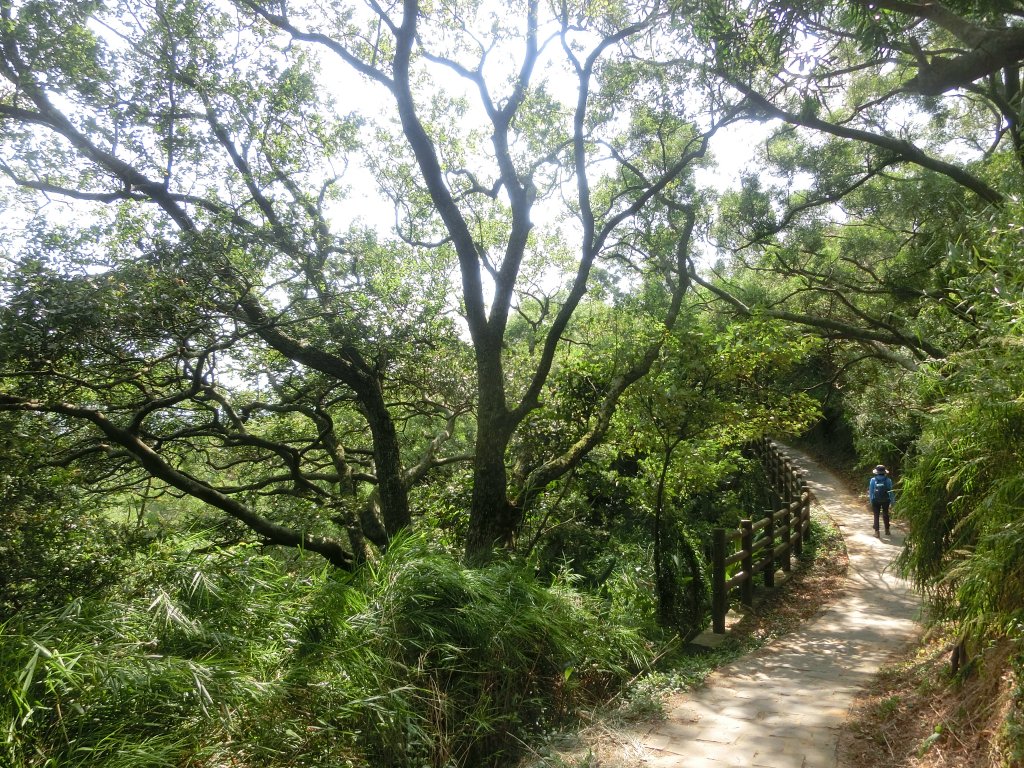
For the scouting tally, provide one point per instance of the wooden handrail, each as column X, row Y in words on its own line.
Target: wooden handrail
column 784, row 532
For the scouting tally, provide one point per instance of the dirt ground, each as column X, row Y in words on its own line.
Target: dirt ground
column 916, row 714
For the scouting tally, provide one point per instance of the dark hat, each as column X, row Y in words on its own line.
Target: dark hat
column 880, row 469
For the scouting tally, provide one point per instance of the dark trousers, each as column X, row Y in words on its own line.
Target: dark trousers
column 883, row 507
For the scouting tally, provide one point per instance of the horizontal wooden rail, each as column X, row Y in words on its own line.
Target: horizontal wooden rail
column 766, row 544
column 735, row 558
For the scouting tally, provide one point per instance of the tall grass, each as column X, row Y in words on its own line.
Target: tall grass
column 963, row 497
column 243, row 659
column 466, row 663
column 139, row 677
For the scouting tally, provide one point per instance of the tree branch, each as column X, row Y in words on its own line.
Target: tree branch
column 156, row 466
column 558, row 466
column 844, row 330
column 901, row 148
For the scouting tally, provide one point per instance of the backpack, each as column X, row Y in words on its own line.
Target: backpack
column 880, row 488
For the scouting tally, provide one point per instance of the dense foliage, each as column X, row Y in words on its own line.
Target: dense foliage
column 370, row 293
column 240, row 657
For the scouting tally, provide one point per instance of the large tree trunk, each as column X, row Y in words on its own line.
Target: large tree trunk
column 394, row 498
column 493, row 519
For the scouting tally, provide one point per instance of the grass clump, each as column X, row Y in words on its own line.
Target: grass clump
column 243, row 658
column 477, row 659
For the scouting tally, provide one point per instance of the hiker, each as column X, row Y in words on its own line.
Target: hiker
column 880, row 495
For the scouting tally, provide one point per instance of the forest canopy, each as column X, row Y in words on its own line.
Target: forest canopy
column 191, row 300
column 312, row 278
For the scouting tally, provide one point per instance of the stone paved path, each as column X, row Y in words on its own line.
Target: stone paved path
column 784, row 705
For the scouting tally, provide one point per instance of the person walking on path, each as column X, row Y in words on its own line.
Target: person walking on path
column 880, row 494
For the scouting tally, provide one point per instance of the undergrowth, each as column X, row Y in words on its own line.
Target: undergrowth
column 918, row 714
column 239, row 658
column 203, row 657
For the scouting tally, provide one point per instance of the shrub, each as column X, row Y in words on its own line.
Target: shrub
column 240, row 657
column 475, row 659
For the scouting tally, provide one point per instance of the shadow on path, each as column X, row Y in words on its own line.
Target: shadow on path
column 783, row 706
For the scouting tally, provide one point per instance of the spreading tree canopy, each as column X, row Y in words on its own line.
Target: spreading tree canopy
column 199, row 294
column 212, row 317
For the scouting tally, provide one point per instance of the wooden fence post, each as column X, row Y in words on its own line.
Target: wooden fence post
column 747, row 543
column 798, row 538
column 787, row 537
column 805, row 507
column 719, row 598
column 769, row 552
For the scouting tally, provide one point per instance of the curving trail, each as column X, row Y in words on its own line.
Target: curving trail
column 784, row 705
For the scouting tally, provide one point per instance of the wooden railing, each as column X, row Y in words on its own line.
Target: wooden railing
column 761, row 546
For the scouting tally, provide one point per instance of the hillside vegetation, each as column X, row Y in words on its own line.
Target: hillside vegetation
column 372, row 375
